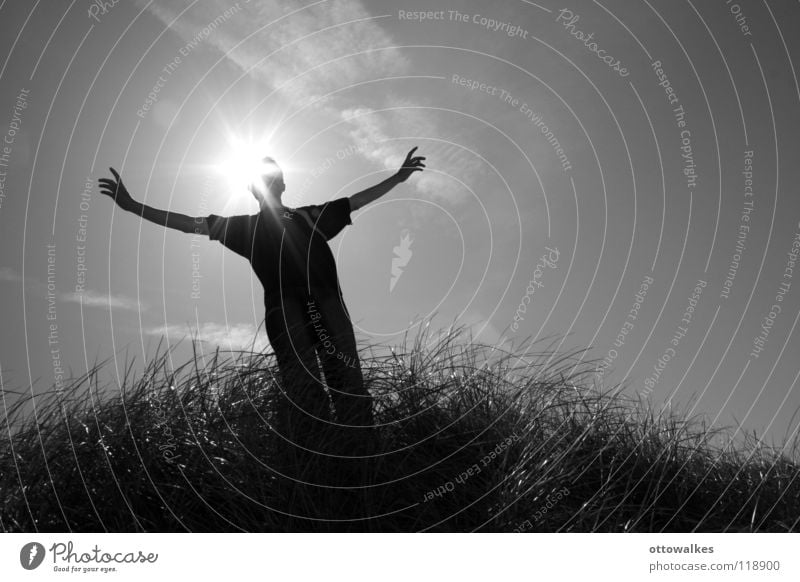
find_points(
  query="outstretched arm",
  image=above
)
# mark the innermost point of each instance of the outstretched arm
(116, 190)
(410, 165)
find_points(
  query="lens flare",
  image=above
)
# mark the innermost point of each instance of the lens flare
(245, 166)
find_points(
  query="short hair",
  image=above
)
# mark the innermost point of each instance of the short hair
(269, 161)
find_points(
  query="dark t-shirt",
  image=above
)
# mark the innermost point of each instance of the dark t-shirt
(287, 248)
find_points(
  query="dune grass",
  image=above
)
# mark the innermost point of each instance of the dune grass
(471, 439)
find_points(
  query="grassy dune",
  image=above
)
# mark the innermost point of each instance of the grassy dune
(512, 445)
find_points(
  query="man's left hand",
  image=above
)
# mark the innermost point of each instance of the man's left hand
(410, 165)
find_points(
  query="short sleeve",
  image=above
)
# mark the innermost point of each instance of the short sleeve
(235, 232)
(330, 218)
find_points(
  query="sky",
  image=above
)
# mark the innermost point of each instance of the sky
(611, 177)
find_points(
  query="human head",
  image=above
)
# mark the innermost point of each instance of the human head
(269, 187)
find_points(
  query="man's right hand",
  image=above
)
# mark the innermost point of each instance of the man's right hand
(116, 190)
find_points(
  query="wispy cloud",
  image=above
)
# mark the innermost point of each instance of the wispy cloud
(301, 36)
(10, 275)
(89, 298)
(484, 332)
(452, 164)
(235, 336)
(286, 38)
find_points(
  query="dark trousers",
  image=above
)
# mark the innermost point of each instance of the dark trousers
(305, 330)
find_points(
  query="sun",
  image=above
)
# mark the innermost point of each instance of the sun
(243, 165)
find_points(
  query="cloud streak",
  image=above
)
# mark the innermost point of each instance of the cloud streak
(298, 39)
(10, 275)
(89, 298)
(236, 336)
(286, 38)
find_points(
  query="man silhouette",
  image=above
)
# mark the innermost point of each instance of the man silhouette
(305, 317)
